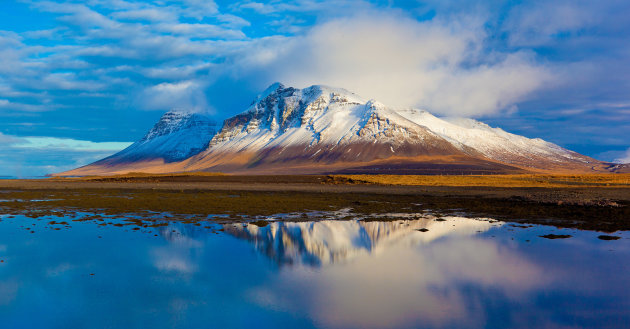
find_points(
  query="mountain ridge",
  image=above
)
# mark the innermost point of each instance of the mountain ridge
(322, 129)
(176, 136)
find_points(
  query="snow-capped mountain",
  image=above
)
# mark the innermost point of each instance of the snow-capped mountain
(472, 136)
(322, 129)
(333, 128)
(178, 135)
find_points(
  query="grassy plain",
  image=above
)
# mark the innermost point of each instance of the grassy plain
(536, 180)
(600, 202)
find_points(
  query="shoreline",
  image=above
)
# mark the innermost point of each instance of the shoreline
(601, 208)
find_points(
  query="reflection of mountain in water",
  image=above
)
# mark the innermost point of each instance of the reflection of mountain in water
(327, 242)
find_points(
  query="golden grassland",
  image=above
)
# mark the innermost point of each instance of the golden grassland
(514, 180)
(145, 175)
(523, 180)
(600, 202)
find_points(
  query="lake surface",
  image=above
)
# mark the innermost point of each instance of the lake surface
(474, 273)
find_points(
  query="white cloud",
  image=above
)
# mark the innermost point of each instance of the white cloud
(94, 38)
(68, 81)
(176, 72)
(258, 7)
(199, 8)
(68, 144)
(233, 20)
(188, 95)
(328, 7)
(58, 144)
(7, 139)
(8, 106)
(200, 31)
(147, 14)
(36, 156)
(537, 24)
(440, 65)
(624, 158)
(78, 14)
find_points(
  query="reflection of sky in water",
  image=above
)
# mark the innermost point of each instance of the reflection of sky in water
(339, 274)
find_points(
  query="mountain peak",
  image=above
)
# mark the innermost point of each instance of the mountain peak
(176, 120)
(278, 89)
(272, 89)
(179, 134)
(274, 86)
(322, 129)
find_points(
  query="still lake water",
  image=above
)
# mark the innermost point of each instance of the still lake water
(473, 273)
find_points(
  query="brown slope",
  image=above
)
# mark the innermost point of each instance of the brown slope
(155, 166)
(434, 158)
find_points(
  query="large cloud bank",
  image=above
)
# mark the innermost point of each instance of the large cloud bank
(440, 65)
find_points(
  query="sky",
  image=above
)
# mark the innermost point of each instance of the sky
(80, 80)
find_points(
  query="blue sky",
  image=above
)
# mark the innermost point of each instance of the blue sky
(81, 79)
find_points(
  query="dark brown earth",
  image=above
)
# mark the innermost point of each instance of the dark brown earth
(604, 209)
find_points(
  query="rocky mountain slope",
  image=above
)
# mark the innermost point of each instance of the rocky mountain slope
(178, 135)
(322, 129)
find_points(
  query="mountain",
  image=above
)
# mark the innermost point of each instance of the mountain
(178, 135)
(321, 129)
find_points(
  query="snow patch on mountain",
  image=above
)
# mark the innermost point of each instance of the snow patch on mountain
(178, 135)
(318, 115)
(494, 143)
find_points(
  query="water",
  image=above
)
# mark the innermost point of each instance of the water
(327, 274)
(23, 177)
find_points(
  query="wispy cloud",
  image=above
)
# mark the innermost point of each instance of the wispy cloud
(99, 36)
(534, 24)
(451, 63)
(61, 144)
(185, 94)
(22, 156)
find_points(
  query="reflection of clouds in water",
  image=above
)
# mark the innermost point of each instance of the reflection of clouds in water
(369, 274)
(60, 269)
(398, 276)
(404, 286)
(182, 251)
(8, 291)
(169, 259)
